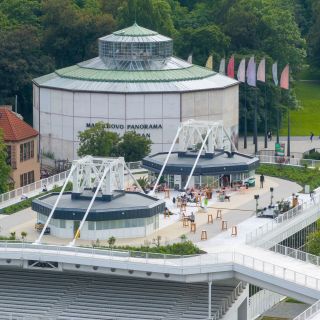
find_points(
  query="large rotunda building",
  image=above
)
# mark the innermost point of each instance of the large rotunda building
(135, 84)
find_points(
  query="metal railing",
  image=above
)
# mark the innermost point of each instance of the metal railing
(35, 188)
(228, 301)
(295, 253)
(284, 160)
(134, 165)
(177, 264)
(57, 179)
(262, 301)
(310, 312)
(312, 205)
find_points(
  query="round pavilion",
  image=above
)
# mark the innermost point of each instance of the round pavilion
(134, 84)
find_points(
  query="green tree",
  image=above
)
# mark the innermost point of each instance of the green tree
(98, 141)
(71, 32)
(21, 12)
(133, 147)
(21, 60)
(314, 34)
(202, 42)
(313, 243)
(4, 167)
(153, 14)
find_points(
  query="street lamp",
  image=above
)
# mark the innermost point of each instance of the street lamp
(271, 190)
(256, 197)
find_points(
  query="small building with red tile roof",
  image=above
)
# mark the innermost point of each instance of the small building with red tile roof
(22, 147)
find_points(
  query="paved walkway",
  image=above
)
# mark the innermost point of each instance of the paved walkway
(239, 209)
(286, 310)
(298, 144)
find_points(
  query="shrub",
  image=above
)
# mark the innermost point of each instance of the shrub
(179, 248)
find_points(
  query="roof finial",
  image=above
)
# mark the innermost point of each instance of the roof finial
(135, 14)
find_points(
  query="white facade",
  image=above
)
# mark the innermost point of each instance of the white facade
(59, 115)
(66, 229)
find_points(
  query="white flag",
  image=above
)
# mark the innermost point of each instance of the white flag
(222, 68)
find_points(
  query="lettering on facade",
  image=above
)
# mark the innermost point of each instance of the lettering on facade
(130, 127)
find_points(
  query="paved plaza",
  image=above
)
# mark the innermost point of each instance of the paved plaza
(240, 208)
(298, 144)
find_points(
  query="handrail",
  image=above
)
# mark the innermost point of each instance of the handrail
(227, 302)
(184, 265)
(257, 234)
(33, 187)
(310, 312)
(289, 161)
(294, 253)
(15, 195)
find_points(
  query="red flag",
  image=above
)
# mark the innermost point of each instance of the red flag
(231, 67)
(284, 80)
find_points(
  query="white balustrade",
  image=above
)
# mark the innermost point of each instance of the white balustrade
(310, 312)
(178, 264)
(35, 188)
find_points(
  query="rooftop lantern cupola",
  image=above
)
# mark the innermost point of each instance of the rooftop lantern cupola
(135, 48)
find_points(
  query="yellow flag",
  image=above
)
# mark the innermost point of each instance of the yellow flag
(209, 63)
(77, 234)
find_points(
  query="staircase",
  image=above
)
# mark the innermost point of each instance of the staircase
(182, 304)
(62, 304)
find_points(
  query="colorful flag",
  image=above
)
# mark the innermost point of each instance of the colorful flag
(241, 75)
(275, 73)
(209, 63)
(222, 68)
(251, 73)
(261, 73)
(230, 68)
(284, 79)
(190, 58)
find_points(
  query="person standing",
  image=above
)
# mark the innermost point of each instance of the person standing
(261, 181)
(311, 136)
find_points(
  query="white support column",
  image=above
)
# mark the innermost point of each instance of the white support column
(198, 156)
(55, 205)
(106, 170)
(133, 178)
(166, 161)
(209, 299)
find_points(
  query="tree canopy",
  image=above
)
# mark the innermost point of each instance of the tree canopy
(99, 141)
(4, 167)
(42, 35)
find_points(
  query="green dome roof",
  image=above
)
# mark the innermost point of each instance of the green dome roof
(135, 31)
(88, 74)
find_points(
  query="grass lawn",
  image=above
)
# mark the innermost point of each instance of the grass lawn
(300, 175)
(306, 119)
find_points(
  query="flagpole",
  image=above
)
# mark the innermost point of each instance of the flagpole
(278, 124)
(265, 117)
(288, 148)
(255, 124)
(245, 117)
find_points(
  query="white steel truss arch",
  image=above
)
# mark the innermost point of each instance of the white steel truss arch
(97, 174)
(203, 136)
